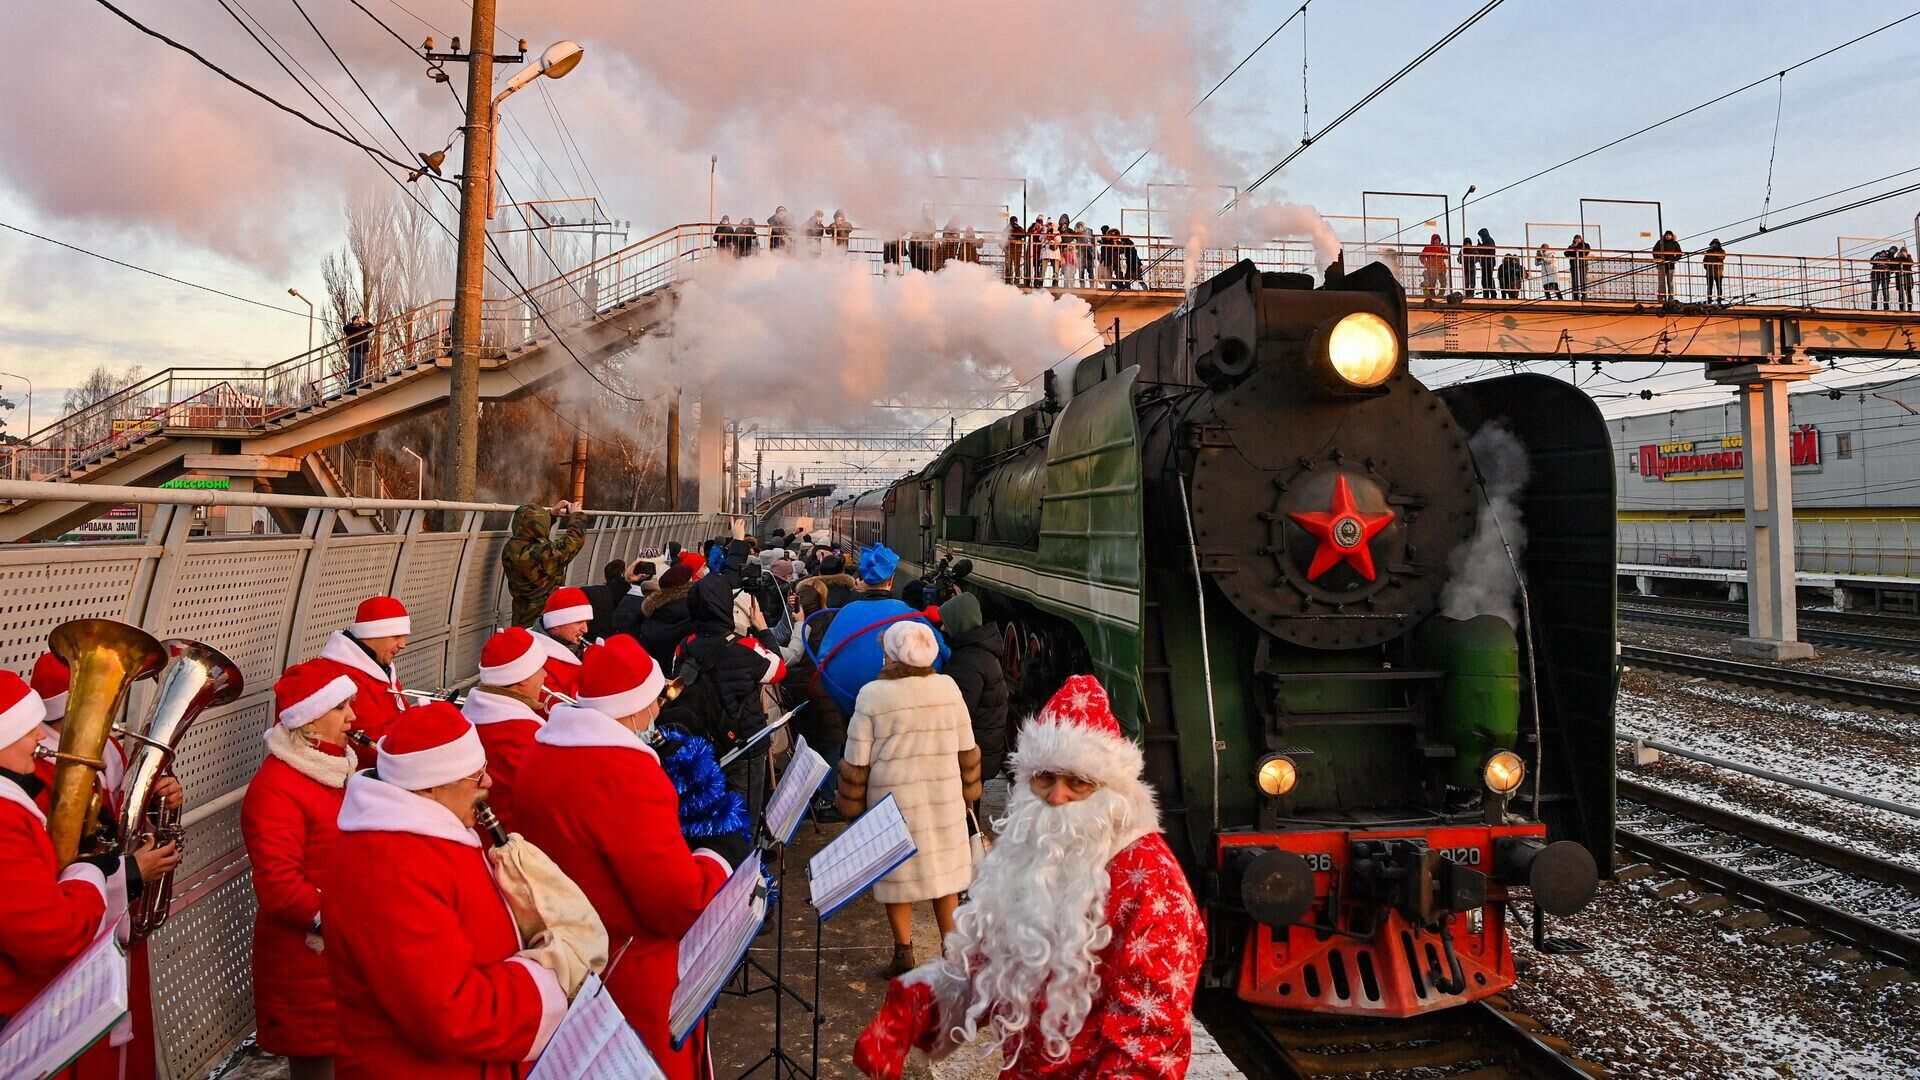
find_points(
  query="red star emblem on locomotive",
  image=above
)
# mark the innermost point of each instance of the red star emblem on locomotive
(1344, 531)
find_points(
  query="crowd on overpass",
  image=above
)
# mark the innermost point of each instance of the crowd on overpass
(1044, 253)
(437, 874)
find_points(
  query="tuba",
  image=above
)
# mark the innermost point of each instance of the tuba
(197, 677)
(105, 658)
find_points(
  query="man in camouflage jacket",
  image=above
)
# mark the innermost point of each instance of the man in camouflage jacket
(535, 562)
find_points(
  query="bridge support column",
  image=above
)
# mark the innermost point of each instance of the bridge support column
(1772, 617)
(710, 447)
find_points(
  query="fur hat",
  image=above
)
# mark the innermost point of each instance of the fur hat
(1076, 732)
(911, 643)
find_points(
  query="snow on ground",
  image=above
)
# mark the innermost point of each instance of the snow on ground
(1668, 994)
(1833, 659)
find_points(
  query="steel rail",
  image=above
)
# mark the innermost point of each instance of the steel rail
(1904, 646)
(1864, 934)
(1739, 609)
(1839, 858)
(1838, 688)
(1768, 774)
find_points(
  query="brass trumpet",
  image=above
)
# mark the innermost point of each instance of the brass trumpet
(104, 658)
(197, 677)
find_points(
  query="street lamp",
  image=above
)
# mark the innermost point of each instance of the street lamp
(295, 293)
(14, 457)
(1464, 235)
(560, 58)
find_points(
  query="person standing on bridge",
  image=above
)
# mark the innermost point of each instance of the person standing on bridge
(1715, 262)
(842, 230)
(1577, 254)
(1016, 244)
(1547, 265)
(358, 333)
(1903, 276)
(1666, 255)
(1487, 253)
(1433, 267)
(536, 561)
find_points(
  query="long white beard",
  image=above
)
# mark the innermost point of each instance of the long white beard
(1036, 920)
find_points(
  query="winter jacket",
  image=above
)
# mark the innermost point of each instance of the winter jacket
(1667, 251)
(422, 948)
(666, 623)
(595, 799)
(813, 592)
(723, 671)
(909, 737)
(289, 821)
(377, 701)
(536, 563)
(506, 725)
(604, 597)
(48, 916)
(976, 668)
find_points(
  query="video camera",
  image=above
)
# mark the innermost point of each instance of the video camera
(943, 582)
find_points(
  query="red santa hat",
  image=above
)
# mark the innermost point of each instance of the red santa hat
(695, 562)
(566, 606)
(509, 656)
(380, 616)
(21, 710)
(51, 680)
(308, 691)
(618, 678)
(1076, 733)
(430, 745)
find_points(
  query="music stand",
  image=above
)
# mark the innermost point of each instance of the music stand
(783, 1063)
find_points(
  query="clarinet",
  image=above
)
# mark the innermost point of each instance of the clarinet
(484, 817)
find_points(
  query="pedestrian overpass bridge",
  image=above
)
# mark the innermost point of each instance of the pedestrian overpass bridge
(264, 426)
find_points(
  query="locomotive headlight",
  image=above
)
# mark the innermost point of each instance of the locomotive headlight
(1503, 772)
(1362, 349)
(1277, 775)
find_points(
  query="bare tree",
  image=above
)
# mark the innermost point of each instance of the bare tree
(86, 425)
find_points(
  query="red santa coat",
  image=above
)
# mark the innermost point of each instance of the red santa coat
(377, 701)
(1141, 1026)
(420, 946)
(593, 796)
(289, 821)
(506, 726)
(563, 667)
(47, 916)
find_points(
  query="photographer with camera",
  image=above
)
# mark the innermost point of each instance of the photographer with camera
(535, 558)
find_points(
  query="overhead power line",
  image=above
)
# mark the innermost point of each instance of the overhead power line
(153, 273)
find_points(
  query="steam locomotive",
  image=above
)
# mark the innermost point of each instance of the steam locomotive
(1244, 518)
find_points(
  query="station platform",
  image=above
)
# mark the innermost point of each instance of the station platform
(1805, 579)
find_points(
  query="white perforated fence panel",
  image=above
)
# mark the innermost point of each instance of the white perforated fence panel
(267, 603)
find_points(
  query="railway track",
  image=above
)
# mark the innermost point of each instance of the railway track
(1786, 680)
(1779, 871)
(1866, 620)
(1887, 644)
(1482, 1041)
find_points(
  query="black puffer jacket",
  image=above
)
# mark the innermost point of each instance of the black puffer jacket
(659, 622)
(976, 666)
(723, 671)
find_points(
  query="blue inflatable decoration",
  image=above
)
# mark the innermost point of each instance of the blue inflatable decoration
(851, 654)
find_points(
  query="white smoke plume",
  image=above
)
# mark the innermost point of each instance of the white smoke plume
(812, 341)
(1197, 226)
(1481, 579)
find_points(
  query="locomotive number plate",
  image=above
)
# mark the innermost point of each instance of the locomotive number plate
(1462, 856)
(1319, 862)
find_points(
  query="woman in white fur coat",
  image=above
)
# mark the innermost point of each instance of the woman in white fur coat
(910, 737)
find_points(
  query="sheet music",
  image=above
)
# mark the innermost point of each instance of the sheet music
(78, 1008)
(870, 849)
(714, 945)
(762, 735)
(594, 1040)
(806, 771)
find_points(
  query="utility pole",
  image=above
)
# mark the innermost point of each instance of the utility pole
(580, 468)
(460, 472)
(673, 450)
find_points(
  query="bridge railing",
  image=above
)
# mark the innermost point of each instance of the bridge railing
(267, 602)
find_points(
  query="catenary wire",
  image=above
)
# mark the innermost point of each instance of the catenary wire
(153, 273)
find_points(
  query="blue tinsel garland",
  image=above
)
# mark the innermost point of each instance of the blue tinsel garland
(708, 807)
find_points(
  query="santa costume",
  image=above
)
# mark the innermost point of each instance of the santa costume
(592, 795)
(506, 722)
(1111, 994)
(379, 701)
(289, 821)
(51, 680)
(48, 915)
(564, 606)
(430, 973)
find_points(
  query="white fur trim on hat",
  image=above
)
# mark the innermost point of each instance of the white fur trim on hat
(628, 702)
(438, 765)
(21, 717)
(1049, 746)
(315, 705)
(911, 643)
(56, 707)
(398, 626)
(565, 615)
(520, 667)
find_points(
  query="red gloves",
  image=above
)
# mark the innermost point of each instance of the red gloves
(907, 1019)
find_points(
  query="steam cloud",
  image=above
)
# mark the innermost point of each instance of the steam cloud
(812, 341)
(1480, 578)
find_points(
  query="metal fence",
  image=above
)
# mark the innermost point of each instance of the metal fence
(266, 603)
(1887, 547)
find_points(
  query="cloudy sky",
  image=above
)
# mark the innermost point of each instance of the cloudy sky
(122, 145)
